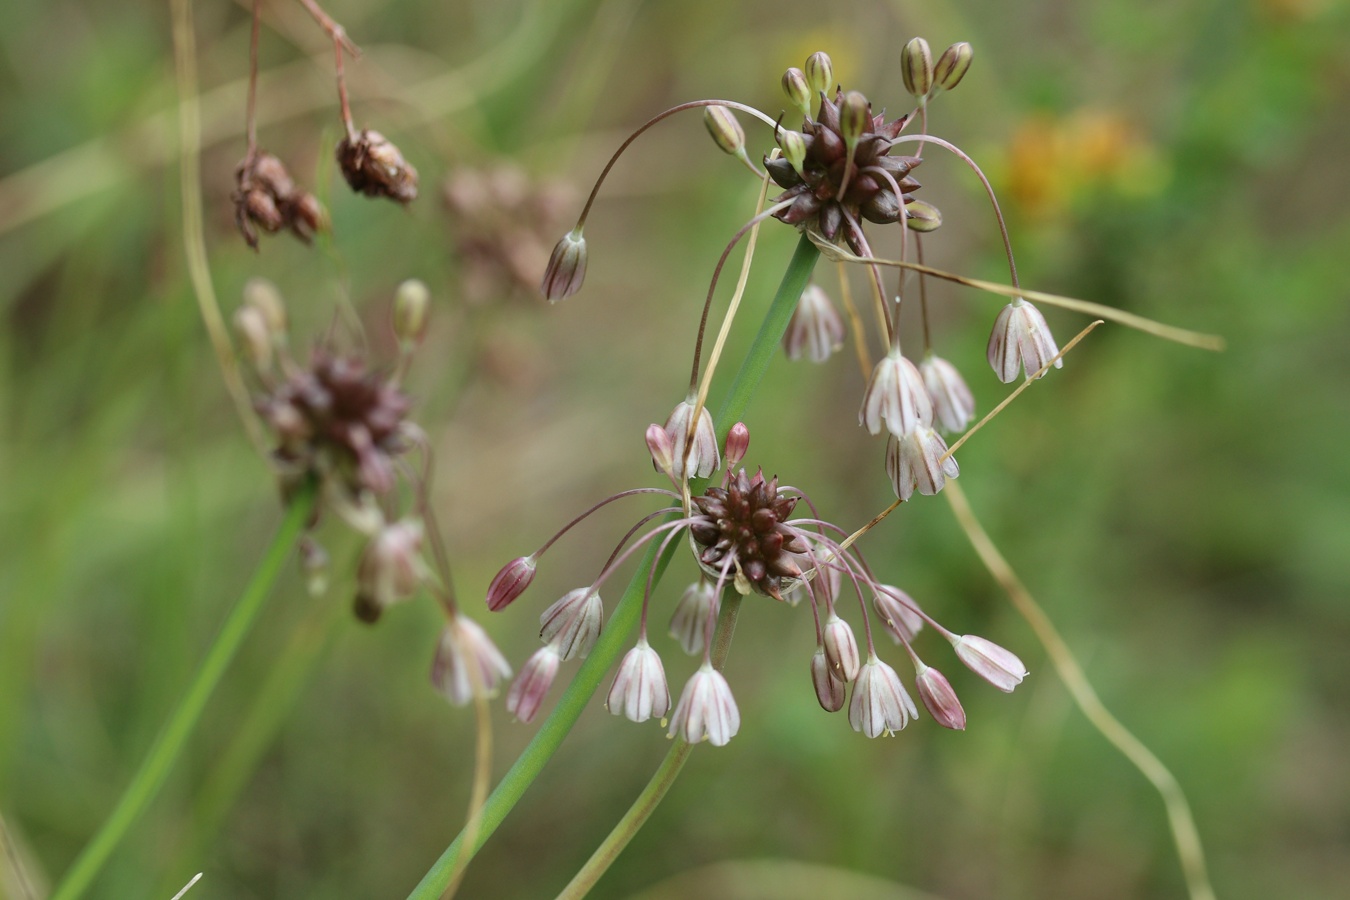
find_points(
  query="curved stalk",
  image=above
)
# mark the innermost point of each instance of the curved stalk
(169, 744)
(609, 647)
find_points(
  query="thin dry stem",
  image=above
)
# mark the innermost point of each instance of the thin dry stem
(854, 323)
(1184, 832)
(1111, 314)
(194, 241)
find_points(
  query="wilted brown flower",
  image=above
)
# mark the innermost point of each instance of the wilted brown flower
(266, 196)
(373, 166)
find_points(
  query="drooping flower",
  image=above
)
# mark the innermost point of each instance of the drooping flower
(896, 395)
(1021, 340)
(706, 710)
(953, 404)
(465, 648)
(880, 704)
(639, 690)
(915, 461)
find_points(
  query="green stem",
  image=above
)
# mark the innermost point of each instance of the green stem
(169, 744)
(660, 782)
(611, 642)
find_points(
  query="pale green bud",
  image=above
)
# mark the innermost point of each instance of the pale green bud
(412, 306)
(820, 73)
(725, 130)
(916, 65)
(922, 217)
(794, 149)
(798, 90)
(952, 65)
(854, 116)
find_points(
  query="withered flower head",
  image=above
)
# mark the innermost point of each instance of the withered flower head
(373, 166)
(337, 415)
(834, 191)
(740, 529)
(266, 196)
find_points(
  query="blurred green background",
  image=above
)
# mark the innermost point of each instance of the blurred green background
(1181, 515)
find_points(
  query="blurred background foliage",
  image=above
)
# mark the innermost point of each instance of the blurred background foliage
(1181, 515)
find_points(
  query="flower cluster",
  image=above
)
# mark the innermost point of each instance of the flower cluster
(340, 422)
(744, 538)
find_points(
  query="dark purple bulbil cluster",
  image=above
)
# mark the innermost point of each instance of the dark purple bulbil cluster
(741, 528)
(831, 189)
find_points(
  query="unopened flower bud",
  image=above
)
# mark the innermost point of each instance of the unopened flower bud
(738, 443)
(573, 622)
(855, 115)
(662, 448)
(952, 65)
(898, 611)
(251, 328)
(725, 130)
(794, 149)
(819, 73)
(263, 296)
(510, 582)
(830, 690)
(922, 216)
(696, 458)
(532, 684)
(939, 698)
(798, 90)
(314, 564)
(412, 305)
(993, 663)
(566, 267)
(689, 622)
(841, 649)
(916, 66)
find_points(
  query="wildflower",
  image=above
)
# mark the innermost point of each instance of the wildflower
(698, 603)
(391, 568)
(953, 404)
(464, 648)
(841, 649)
(531, 685)
(1021, 340)
(830, 690)
(573, 622)
(639, 690)
(816, 331)
(915, 460)
(898, 612)
(916, 67)
(896, 395)
(373, 166)
(952, 66)
(706, 709)
(939, 699)
(880, 704)
(996, 665)
(566, 267)
(697, 459)
(740, 529)
(725, 130)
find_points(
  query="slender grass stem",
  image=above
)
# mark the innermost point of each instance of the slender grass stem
(661, 779)
(610, 645)
(169, 744)
(1186, 836)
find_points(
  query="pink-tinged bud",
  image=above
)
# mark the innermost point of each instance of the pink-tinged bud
(706, 709)
(412, 309)
(798, 90)
(898, 612)
(639, 690)
(573, 622)
(1021, 340)
(816, 330)
(391, 568)
(465, 656)
(689, 622)
(916, 66)
(880, 703)
(820, 72)
(994, 664)
(794, 148)
(841, 649)
(830, 690)
(510, 582)
(532, 684)
(952, 65)
(566, 267)
(915, 461)
(896, 395)
(953, 404)
(662, 448)
(738, 444)
(939, 698)
(725, 130)
(697, 459)
(855, 115)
